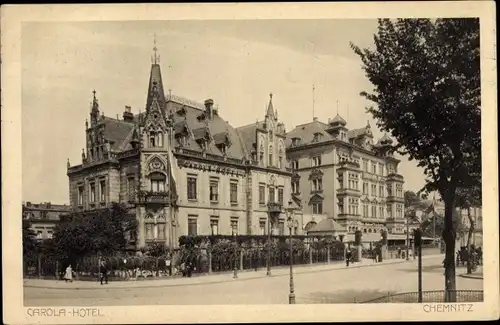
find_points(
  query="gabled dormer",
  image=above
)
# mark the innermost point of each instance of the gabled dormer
(222, 141)
(202, 136)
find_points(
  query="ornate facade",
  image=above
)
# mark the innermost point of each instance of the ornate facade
(344, 175)
(182, 169)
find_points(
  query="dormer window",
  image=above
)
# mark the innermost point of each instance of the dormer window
(295, 141)
(317, 137)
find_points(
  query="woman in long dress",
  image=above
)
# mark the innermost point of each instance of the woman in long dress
(68, 276)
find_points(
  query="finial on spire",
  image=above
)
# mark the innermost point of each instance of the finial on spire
(337, 107)
(156, 57)
(94, 92)
(271, 96)
(68, 164)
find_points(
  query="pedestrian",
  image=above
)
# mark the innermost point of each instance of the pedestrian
(374, 255)
(68, 276)
(104, 272)
(348, 257)
(183, 269)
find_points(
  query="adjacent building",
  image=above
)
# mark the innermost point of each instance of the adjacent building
(345, 175)
(182, 169)
(43, 217)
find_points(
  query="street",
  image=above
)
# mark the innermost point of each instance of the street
(322, 286)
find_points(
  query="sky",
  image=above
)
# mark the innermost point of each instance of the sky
(237, 63)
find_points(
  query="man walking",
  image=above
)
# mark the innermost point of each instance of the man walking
(104, 272)
(348, 256)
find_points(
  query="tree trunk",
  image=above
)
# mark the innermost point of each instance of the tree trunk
(469, 239)
(449, 236)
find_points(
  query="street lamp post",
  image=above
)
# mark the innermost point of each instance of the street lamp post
(268, 273)
(407, 239)
(292, 223)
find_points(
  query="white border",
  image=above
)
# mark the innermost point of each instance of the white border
(11, 20)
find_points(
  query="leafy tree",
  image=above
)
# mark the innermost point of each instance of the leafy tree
(426, 77)
(102, 231)
(411, 198)
(427, 225)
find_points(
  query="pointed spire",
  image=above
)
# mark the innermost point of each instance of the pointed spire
(94, 113)
(155, 86)
(270, 110)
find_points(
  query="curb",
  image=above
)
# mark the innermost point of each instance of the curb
(471, 276)
(216, 281)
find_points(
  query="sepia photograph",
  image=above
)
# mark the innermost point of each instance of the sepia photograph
(254, 162)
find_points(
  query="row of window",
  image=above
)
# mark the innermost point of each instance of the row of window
(376, 168)
(271, 194)
(365, 230)
(95, 191)
(279, 229)
(373, 214)
(315, 162)
(214, 225)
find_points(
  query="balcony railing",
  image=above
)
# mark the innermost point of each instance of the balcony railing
(274, 207)
(148, 197)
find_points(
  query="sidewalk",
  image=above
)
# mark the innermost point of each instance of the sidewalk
(207, 279)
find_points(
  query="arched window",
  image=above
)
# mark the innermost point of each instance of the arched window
(158, 182)
(310, 225)
(152, 139)
(280, 162)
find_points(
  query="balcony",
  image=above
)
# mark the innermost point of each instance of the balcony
(344, 191)
(154, 198)
(274, 207)
(392, 198)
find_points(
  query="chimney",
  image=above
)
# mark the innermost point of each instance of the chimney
(209, 104)
(127, 114)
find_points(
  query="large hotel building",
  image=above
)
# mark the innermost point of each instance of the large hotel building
(183, 170)
(345, 180)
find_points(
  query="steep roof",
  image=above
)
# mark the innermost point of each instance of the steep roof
(155, 79)
(248, 136)
(118, 132)
(306, 133)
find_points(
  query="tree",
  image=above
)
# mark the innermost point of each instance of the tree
(30, 244)
(411, 198)
(426, 77)
(466, 199)
(103, 231)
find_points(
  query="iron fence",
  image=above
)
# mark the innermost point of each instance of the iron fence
(437, 296)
